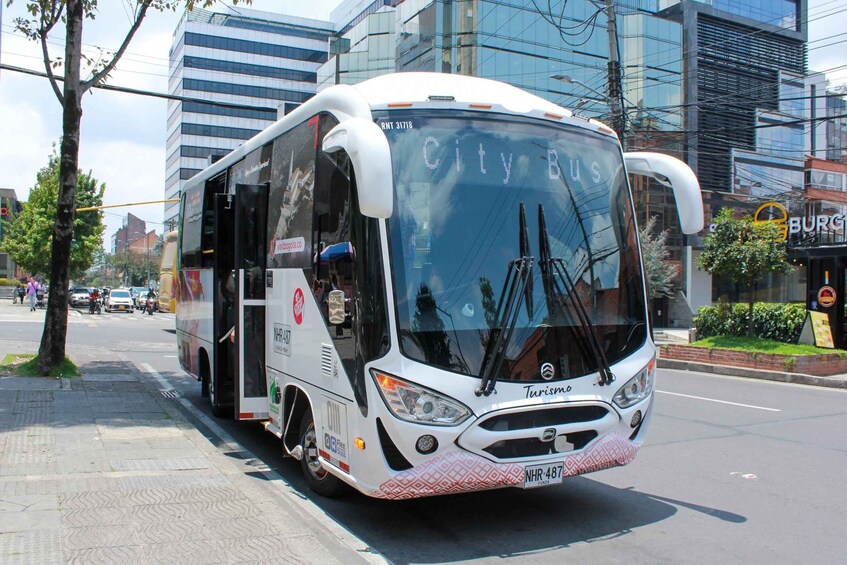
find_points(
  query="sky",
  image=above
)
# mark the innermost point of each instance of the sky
(123, 135)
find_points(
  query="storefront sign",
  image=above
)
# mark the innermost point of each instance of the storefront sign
(826, 296)
(791, 225)
(776, 213)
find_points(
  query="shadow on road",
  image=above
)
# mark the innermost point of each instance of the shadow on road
(504, 523)
(500, 523)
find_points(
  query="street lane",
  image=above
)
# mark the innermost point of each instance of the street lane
(716, 483)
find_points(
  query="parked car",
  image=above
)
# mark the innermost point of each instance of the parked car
(78, 297)
(120, 300)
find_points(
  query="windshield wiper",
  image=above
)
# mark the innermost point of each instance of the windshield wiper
(518, 281)
(553, 268)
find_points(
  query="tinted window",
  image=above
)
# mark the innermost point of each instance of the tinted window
(290, 202)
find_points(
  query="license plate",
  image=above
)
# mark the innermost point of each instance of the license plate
(543, 475)
(120, 307)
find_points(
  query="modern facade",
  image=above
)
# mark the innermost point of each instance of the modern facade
(234, 70)
(365, 45)
(525, 43)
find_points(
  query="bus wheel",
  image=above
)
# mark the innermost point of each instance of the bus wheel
(219, 409)
(318, 478)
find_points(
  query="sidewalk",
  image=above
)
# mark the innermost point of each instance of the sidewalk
(106, 468)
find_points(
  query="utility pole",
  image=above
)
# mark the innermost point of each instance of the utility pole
(615, 89)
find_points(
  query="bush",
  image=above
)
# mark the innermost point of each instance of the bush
(8, 282)
(780, 322)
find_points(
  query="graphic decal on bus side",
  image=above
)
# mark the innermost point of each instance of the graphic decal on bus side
(276, 396)
(333, 442)
(299, 304)
(456, 472)
(282, 339)
(290, 245)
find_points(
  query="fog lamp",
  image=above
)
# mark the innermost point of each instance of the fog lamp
(636, 419)
(426, 444)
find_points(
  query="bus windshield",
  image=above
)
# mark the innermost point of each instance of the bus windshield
(459, 184)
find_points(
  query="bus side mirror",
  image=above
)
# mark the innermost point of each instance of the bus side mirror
(367, 147)
(672, 172)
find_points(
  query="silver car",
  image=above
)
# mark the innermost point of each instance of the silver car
(78, 297)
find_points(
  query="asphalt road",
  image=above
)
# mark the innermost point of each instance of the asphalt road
(734, 471)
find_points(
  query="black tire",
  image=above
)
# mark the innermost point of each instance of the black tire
(219, 410)
(319, 479)
(204, 385)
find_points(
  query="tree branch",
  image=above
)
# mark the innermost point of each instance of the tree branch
(142, 11)
(49, 67)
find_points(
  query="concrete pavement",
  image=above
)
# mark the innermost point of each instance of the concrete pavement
(110, 468)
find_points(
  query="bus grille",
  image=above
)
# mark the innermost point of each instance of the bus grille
(535, 432)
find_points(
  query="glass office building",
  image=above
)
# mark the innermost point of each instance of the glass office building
(365, 47)
(254, 62)
(523, 43)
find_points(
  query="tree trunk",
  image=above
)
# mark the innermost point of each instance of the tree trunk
(52, 349)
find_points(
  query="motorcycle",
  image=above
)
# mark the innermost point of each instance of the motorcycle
(149, 305)
(94, 306)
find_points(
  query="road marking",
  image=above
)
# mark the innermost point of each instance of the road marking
(720, 401)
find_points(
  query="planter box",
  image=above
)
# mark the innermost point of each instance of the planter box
(820, 365)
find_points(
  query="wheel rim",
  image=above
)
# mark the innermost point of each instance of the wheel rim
(310, 453)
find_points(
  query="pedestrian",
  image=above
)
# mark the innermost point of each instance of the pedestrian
(31, 291)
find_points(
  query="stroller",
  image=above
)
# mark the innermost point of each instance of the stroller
(39, 298)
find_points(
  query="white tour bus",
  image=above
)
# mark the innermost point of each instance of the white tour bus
(426, 284)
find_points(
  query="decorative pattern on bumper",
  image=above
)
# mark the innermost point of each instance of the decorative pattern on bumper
(459, 471)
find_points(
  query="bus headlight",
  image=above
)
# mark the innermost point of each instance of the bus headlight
(415, 403)
(637, 388)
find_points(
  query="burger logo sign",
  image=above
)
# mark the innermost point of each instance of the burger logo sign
(299, 305)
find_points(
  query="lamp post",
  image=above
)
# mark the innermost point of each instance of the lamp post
(614, 104)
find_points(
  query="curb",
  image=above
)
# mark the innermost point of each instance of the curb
(836, 381)
(341, 535)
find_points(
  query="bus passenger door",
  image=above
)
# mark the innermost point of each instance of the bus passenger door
(251, 202)
(220, 258)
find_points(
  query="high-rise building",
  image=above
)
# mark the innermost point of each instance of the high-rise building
(235, 69)
(741, 59)
(526, 43)
(364, 46)
(133, 228)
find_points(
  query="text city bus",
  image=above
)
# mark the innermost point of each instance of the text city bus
(426, 284)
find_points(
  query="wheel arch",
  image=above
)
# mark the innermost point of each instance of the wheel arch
(295, 402)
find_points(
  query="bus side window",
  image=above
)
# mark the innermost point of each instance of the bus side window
(191, 214)
(215, 185)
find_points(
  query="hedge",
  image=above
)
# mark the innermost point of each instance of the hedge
(780, 322)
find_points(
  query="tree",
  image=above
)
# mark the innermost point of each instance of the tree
(29, 235)
(742, 250)
(659, 273)
(43, 17)
(135, 268)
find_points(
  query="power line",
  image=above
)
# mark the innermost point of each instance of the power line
(127, 90)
